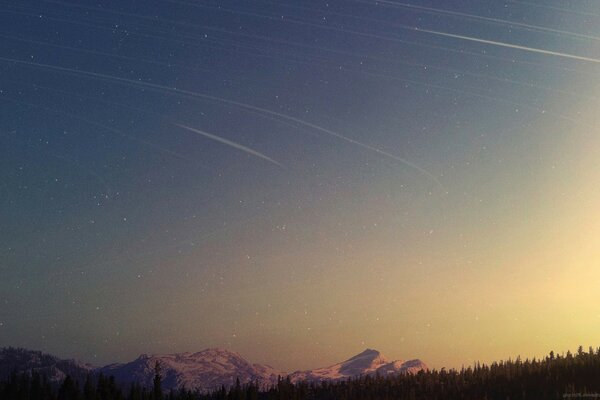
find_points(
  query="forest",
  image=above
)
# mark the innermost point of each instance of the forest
(556, 376)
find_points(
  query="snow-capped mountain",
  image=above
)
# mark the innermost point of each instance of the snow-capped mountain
(205, 370)
(54, 368)
(369, 362)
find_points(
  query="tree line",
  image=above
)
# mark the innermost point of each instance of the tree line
(553, 377)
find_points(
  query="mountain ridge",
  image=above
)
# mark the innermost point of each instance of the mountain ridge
(204, 370)
(368, 362)
(21, 360)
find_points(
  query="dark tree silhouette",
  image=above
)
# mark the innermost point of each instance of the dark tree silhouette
(556, 376)
(157, 382)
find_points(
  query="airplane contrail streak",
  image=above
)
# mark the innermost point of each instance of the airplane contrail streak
(388, 38)
(510, 45)
(229, 143)
(369, 73)
(482, 18)
(101, 53)
(397, 40)
(566, 10)
(504, 80)
(272, 114)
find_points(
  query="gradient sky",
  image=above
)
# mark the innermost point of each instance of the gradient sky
(297, 181)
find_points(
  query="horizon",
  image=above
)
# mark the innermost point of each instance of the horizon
(297, 182)
(291, 371)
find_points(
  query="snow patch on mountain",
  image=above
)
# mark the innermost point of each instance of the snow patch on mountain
(205, 370)
(369, 362)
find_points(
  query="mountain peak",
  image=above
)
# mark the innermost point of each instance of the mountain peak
(365, 362)
(205, 370)
(218, 351)
(368, 362)
(368, 354)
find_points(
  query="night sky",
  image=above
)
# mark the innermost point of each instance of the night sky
(298, 181)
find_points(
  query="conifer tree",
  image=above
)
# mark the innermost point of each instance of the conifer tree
(157, 382)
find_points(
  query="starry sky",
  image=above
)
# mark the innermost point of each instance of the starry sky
(297, 181)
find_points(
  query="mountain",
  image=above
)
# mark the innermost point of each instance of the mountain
(205, 370)
(54, 368)
(369, 362)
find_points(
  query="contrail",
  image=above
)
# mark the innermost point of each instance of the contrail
(387, 38)
(567, 10)
(101, 53)
(394, 4)
(468, 91)
(398, 40)
(165, 64)
(482, 18)
(510, 45)
(401, 26)
(230, 143)
(504, 80)
(324, 64)
(273, 114)
(465, 90)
